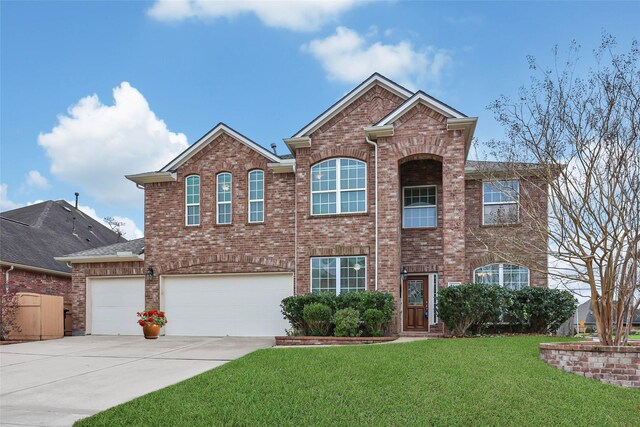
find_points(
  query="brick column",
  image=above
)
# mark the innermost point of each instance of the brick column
(453, 213)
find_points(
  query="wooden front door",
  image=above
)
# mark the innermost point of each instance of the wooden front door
(415, 291)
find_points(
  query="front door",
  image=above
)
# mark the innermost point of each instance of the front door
(415, 293)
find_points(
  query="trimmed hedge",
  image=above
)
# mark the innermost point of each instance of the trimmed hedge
(476, 307)
(293, 309)
(347, 321)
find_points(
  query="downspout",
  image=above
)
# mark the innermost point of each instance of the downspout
(375, 145)
(6, 279)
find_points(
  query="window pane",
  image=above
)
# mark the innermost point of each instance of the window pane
(419, 217)
(193, 215)
(488, 274)
(501, 191)
(323, 176)
(224, 187)
(323, 275)
(352, 174)
(420, 196)
(324, 203)
(256, 185)
(515, 277)
(224, 213)
(256, 212)
(352, 201)
(352, 274)
(501, 214)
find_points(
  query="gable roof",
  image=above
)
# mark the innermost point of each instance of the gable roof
(421, 98)
(345, 101)
(217, 130)
(33, 235)
(131, 250)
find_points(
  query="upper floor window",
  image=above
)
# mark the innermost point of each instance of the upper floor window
(419, 208)
(510, 276)
(224, 198)
(338, 274)
(192, 211)
(256, 196)
(500, 202)
(338, 186)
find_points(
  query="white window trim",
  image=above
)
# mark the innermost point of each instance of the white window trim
(187, 204)
(218, 203)
(501, 272)
(416, 207)
(338, 190)
(512, 202)
(256, 200)
(338, 272)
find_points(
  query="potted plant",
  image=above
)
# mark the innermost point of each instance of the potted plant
(151, 321)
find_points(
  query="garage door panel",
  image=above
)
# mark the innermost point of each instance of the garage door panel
(240, 305)
(114, 303)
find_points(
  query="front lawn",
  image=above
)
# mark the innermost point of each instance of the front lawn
(481, 381)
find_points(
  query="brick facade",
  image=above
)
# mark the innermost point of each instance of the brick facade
(612, 365)
(421, 151)
(36, 282)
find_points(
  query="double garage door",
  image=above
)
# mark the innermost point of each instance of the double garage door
(196, 305)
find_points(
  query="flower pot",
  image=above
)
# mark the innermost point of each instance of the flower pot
(151, 331)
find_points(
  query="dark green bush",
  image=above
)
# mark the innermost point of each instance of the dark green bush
(317, 317)
(473, 305)
(293, 307)
(539, 310)
(347, 322)
(375, 322)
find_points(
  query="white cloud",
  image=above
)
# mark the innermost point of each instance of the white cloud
(346, 56)
(129, 230)
(5, 203)
(95, 145)
(36, 180)
(299, 15)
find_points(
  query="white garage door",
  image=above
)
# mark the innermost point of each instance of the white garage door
(235, 304)
(114, 304)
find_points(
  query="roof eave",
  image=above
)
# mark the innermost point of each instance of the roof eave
(466, 124)
(299, 142)
(35, 269)
(152, 177)
(375, 132)
(284, 166)
(101, 258)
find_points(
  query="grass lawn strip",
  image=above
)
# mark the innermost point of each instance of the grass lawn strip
(471, 382)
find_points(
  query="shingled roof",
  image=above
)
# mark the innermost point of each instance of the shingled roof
(33, 235)
(135, 247)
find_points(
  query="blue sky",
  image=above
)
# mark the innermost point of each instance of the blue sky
(266, 69)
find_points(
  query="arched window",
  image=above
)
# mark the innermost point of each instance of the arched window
(224, 198)
(256, 196)
(192, 200)
(509, 276)
(338, 186)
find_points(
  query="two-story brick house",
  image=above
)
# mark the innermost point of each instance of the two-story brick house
(377, 194)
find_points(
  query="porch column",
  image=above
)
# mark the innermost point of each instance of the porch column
(453, 213)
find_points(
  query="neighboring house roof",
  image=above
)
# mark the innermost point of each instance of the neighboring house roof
(33, 235)
(591, 320)
(483, 168)
(132, 250)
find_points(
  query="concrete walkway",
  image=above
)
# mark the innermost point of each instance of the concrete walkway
(54, 383)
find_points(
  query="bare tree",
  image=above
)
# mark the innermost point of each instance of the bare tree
(577, 138)
(115, 225)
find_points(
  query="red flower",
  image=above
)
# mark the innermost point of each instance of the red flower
(161, 314)
(142, 323)
(138, 313)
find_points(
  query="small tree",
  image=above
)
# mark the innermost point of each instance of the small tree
(115, 225)
(582, 134)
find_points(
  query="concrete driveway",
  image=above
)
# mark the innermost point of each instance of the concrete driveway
(54, 383)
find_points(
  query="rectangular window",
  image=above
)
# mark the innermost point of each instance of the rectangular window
(500, 202)
(338, 274)
(256, 196)
(419, 207)
(338, 186)
(192, 200)
(224, 198)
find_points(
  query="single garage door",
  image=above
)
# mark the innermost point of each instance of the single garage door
(234, 304)
(114, 304)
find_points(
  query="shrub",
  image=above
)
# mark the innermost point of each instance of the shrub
(292, 309)
(539, 310)
(589, 330)
(375, 322)
(471, 305)
(317, 317)
(347, 322)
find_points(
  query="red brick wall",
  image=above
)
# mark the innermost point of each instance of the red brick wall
(173, 247)
(38, 283)
(79, 285)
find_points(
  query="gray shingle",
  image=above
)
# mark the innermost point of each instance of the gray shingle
(136, 247)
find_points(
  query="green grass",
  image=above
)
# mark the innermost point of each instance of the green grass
(470, 382)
